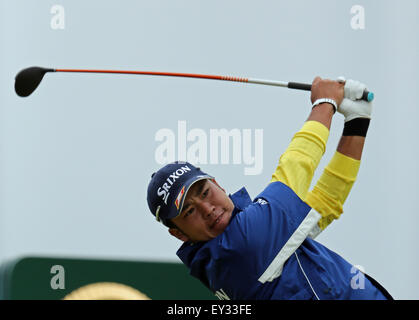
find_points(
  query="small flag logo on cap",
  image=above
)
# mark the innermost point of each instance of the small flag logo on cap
(179, 197)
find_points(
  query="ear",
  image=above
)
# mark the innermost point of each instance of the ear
(216, 183)
(178, 234)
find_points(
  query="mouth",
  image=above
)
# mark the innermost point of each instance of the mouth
(217, 221)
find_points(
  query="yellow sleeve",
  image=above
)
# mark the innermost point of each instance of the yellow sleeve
(333, 187)
(299, 161)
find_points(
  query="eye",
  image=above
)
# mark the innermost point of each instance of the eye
(190, 211)
(205, 193)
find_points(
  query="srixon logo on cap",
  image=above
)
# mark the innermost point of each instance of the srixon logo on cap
(163, 191)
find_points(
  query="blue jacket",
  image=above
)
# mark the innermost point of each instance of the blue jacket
(266, 253)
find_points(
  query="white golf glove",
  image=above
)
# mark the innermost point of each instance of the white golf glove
(351, 107)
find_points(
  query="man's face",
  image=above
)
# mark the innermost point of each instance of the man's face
(205, 214)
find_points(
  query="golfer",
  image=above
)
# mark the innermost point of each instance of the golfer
(265, 248)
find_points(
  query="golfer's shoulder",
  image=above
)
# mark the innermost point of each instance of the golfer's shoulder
(269, 217)
(276, 192)
(275, 196)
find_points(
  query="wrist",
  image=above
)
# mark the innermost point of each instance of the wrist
(329, 101)
(356, 127)
(322, 113)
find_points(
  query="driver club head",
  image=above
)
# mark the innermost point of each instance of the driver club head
(27, 80)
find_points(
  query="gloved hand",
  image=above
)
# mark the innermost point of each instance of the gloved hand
(351, 107)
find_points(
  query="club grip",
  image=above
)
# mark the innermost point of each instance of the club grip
(367, 95)
(299, 86)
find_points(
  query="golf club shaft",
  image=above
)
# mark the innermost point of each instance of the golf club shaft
(367, 96)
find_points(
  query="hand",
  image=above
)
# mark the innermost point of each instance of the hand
(351, 107)
(325, 88)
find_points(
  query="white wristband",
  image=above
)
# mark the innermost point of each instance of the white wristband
(326, 100)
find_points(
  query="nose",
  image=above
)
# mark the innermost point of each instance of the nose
(206, 209)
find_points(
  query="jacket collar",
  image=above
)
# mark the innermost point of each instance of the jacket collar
(241, 200)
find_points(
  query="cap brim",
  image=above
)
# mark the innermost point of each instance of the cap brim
(189, 183)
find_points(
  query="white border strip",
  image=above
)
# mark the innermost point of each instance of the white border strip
(315, 232)
(274, 270)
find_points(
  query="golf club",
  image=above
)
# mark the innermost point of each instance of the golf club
(27, 80)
